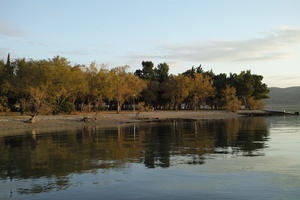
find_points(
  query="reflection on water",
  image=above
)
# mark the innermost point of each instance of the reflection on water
(39, 163)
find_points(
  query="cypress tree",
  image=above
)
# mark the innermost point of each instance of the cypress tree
(8, 60)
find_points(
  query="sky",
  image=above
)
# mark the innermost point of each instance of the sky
(223, 35)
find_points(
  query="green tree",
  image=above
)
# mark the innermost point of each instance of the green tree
(193, 71)
(147, 72)
(248, 85)
(162, 72)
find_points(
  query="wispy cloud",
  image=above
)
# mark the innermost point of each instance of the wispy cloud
(73, 52)
(7, 30)
(282, 80)
(276, 44)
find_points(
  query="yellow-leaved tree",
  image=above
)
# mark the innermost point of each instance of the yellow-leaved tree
(176, 89)
(231, 101)
(202, 88)
(125, 85)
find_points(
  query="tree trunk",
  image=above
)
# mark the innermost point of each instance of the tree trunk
(195, 103)
(118, 107)
(81, 107)
(89, 107)
(177, 106)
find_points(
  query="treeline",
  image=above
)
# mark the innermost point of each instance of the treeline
(196, 89)
(55, 86)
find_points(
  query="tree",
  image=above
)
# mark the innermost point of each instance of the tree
(150, 95)
(202, 88)
(3, 97)
(125, 85)
(162, 72)
(38, 96)
(219, 83)
(32, 85)
(231, 102)
(55, 85)
(193, 71)
(147, 72)
(254, 104)
(9, 68)
(248, 85)
(176, 89)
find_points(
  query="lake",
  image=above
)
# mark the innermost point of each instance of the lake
(246, 158)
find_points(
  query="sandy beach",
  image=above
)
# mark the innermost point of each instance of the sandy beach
(10, 125)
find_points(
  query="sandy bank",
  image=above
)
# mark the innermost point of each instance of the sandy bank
(14, 124)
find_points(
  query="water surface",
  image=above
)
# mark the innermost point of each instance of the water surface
(247, 158)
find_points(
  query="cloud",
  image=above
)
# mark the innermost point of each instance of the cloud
(8, 30)
(272, 45)
(73, 52)
(282, 80)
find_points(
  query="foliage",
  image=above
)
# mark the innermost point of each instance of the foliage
(176, 90)
(254, 104)
(202, 88)
(56, 86)
(231, 102)
(125, 85)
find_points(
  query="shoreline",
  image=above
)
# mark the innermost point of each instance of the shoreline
(12, 125)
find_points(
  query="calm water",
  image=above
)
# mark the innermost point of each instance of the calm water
(248, 158)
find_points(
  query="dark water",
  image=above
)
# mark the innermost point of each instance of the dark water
(248, 158)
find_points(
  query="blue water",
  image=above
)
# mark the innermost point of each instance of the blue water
(247, 158)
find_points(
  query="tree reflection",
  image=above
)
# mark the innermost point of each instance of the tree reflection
(57, 155)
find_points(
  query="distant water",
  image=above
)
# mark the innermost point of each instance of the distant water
(287, 108)
(247, 158)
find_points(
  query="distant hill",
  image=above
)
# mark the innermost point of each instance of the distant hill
(284, 99)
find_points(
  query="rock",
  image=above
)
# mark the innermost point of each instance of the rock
(32, 119)
(88, 119)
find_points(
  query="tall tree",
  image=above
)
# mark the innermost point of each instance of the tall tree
(8, 60)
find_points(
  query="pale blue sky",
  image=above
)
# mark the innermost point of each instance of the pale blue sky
(226, 36)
